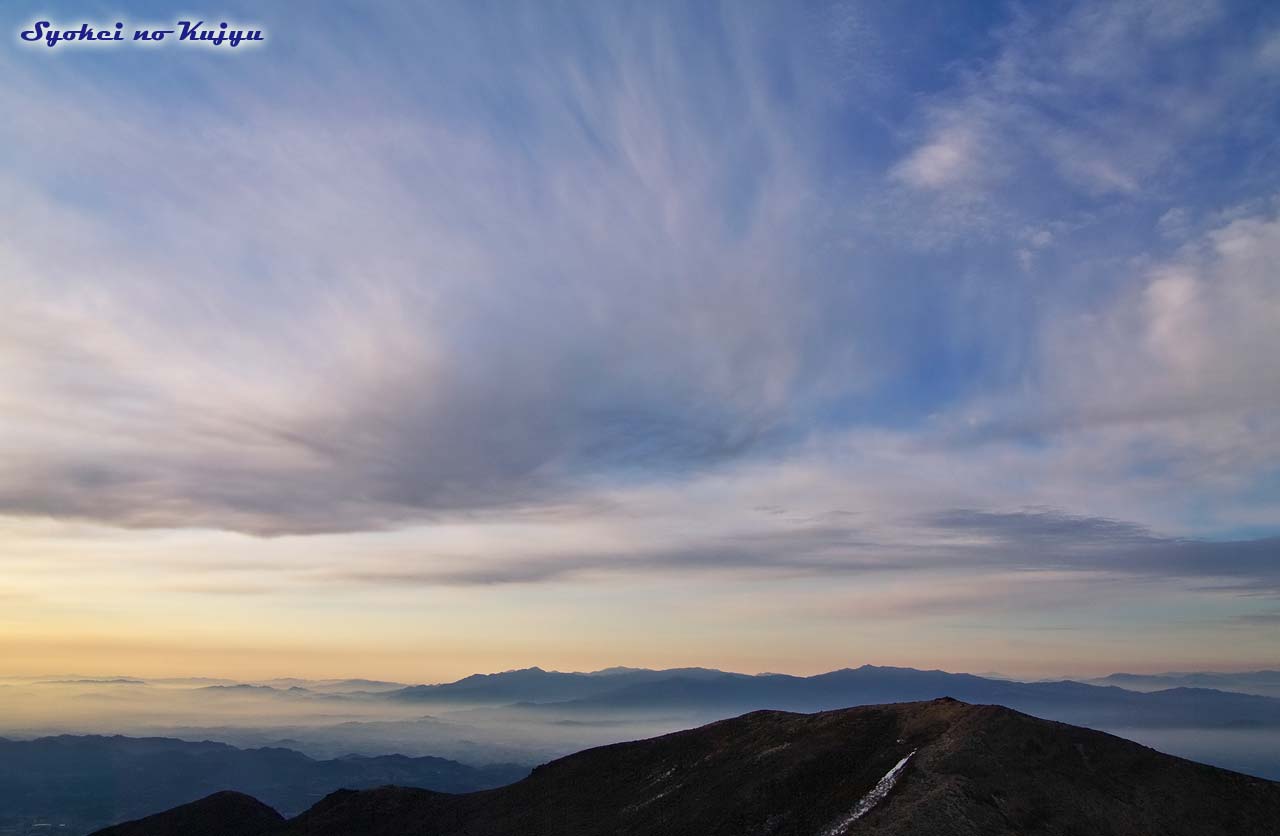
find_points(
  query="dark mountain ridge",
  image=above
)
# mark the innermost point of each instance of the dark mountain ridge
(938, 768)
(223, 812)
(89, 781)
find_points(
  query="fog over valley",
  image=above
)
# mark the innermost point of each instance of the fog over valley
(530, 716)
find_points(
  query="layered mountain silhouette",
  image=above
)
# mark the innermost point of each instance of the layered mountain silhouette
(711, 692)
(1262, 683)
(538, 685)
(937, 768)
(91, 781)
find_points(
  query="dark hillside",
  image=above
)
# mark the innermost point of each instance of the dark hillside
(961, 769)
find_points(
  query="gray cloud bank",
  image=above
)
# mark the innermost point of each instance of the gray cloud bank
(1029, 540)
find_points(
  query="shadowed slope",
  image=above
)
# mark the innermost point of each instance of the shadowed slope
(976, 770)
(220, 814)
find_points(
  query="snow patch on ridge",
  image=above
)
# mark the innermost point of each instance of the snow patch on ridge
(871, 799)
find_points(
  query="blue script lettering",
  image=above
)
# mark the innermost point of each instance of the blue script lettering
(51, 34)
(43, 30)
(189, 31)
(151, 35)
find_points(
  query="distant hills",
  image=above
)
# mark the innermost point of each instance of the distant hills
(1231, 729)
(537, 685)
(938, 768)
(86, 782)
(710, 692)
(1262, 683)
(532, 715)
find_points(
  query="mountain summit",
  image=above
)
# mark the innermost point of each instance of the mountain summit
(938, 768)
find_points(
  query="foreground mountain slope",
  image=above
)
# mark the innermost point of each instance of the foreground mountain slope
(962, 769)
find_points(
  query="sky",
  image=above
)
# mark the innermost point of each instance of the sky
(426, 339)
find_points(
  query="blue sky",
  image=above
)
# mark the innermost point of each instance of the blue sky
(811, 322)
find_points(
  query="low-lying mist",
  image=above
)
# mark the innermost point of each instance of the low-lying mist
(323, 722)
(532, 716)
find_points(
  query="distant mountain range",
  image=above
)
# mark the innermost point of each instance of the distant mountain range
(1230, 729)
(85, 782)
(1262, 683)
(939, 768)
(537, 685)
(532, 715)
(710, 692)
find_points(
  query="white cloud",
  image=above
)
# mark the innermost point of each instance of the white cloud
(948, 159)
(1195, 336)
(1096, 97)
